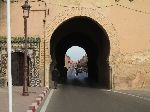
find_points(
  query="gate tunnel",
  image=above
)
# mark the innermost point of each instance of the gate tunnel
(84, 32)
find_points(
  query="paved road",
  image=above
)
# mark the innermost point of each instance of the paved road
(71, 98)
(82, 99)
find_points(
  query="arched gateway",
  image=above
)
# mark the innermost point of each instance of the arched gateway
(90, 30)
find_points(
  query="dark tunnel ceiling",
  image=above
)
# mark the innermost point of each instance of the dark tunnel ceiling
(80, 31)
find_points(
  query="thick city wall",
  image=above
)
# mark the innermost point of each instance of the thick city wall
(126, 23)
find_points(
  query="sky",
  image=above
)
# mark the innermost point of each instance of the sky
(75, 53)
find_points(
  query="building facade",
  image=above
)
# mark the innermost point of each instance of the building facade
(124, 24)
(68, 62)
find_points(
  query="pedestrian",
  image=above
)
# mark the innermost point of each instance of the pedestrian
(76, 69)
(65, 74)
(55, 76)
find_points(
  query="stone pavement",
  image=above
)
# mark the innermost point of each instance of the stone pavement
(20, 103)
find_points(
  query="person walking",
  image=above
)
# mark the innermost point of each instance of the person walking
(64, 79)
(55, 76)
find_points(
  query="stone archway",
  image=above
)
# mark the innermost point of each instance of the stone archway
(95, 15)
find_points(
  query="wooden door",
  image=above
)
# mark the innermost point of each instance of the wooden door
(17, 68)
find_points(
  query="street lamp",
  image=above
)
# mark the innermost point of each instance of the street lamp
(26, 8)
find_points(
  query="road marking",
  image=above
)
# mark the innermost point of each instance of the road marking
(44, 107)
(109, 90)
(132, 95)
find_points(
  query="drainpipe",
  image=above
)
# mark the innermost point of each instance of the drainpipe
(44, 50)
(111, 78)
(44, 21)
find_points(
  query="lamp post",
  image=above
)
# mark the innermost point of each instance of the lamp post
(26, 8)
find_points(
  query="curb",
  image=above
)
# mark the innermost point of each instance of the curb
(33, 107)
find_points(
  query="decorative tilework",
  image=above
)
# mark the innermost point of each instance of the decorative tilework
(18, 46)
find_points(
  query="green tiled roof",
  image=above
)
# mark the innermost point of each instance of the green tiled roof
(36, 39)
